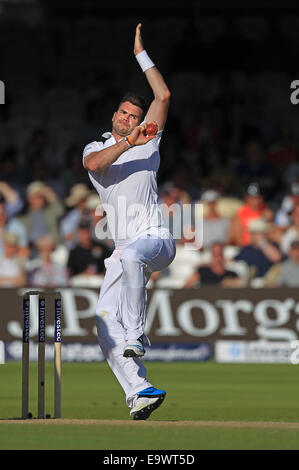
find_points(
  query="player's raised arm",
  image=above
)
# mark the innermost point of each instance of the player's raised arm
(159, 107)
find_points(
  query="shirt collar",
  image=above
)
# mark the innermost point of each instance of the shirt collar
(107, 135)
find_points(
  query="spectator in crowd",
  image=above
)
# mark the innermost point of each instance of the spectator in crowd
(69, 224)
(12, 269)
(11, 198)
(43, 271)
(215, 272)
(215, 227)
(255, 167)
(289, 269)
(261, 253)
(254, 207)
(291, 173)
(43, 214)
(283, 217)
(88, 256)
(13, 225)
(292, 233)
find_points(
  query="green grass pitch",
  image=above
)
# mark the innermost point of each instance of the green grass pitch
(208, 406)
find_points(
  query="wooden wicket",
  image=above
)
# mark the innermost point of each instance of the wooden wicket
(57, 357)
(25, 356)
(41, 354)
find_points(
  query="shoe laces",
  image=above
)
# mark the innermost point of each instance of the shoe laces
(145, 340)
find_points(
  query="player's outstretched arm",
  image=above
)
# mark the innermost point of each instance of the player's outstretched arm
(158, 109)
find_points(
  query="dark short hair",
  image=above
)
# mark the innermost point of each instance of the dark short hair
(136, 100)
(84, 224)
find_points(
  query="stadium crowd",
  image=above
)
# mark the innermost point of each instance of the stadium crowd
(230, 150)
(49, 242)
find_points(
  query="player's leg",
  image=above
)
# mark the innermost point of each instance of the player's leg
(138, 261)
(130, 373)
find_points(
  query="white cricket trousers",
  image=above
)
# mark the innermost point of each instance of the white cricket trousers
(121, 308)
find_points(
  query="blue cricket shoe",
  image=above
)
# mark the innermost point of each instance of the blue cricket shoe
(146, 401)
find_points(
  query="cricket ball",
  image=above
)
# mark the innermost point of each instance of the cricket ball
(151, 129)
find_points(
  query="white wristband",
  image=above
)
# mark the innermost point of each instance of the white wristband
(144, 61)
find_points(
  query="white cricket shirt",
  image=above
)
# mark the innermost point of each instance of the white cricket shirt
(128, 190)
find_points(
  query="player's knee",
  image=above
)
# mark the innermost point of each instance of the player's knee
(130, 257)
